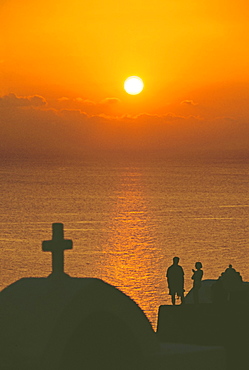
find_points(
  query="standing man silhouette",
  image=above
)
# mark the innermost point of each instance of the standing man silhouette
(175, 279)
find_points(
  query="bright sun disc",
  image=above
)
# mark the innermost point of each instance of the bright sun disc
(133, 85)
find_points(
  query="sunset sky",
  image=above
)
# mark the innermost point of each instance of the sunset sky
(63, 65)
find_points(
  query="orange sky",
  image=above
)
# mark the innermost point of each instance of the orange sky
(63, 64)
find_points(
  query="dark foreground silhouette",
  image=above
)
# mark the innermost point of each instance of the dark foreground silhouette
(61, 323)
(221, 317)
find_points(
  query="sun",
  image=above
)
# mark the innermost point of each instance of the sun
(133, 85)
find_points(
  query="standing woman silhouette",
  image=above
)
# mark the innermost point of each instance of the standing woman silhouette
(197, 277)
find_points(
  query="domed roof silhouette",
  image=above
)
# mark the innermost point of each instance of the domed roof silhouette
(62, 322)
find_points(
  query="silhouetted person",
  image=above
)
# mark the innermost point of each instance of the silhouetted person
(175, 278)
(197, 277)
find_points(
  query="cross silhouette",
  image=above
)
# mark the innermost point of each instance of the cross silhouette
(57, 246)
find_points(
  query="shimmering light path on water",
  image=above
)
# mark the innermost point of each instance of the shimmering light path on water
(127, 220)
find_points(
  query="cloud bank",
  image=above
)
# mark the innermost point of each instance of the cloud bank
(30, 128)
(13, 101)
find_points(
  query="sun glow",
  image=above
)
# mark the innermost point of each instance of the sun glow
(133, 85)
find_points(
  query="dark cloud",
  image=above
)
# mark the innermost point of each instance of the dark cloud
(84, 101)
(110, 101)
(13, 101)
(189, 102)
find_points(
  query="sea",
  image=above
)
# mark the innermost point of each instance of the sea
(127, 218)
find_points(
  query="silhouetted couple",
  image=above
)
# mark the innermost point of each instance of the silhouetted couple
(175, 278)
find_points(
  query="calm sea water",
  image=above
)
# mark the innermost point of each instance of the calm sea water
(127, 220)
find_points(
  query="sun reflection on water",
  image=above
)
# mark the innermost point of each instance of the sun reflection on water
(130, 254)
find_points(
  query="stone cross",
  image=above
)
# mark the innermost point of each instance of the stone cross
(57, 246)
